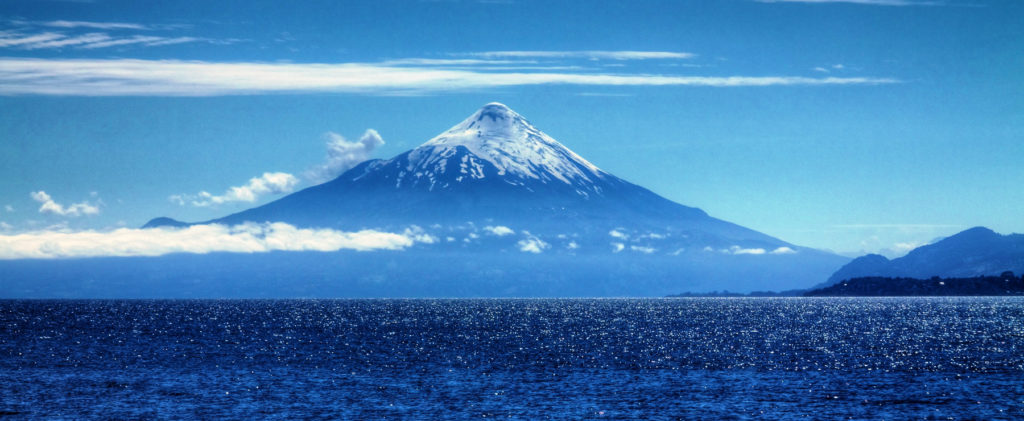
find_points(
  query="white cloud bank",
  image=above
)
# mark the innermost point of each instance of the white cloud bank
(49, 206)
(24, 76)
(343, 155)
(268, 183)
(246, 238)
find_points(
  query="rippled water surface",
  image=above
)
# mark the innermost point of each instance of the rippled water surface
(521, 359)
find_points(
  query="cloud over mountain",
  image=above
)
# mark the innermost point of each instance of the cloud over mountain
(343, 154)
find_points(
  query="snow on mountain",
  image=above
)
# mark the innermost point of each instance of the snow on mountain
(517, 151)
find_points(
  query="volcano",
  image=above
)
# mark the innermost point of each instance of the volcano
(496, 189)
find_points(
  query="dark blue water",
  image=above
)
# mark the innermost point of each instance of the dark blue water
(522, 359)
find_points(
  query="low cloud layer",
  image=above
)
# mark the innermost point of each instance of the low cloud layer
(246, 238)
(268, 183)
(49, 206)
(737, 250)
(343, 154)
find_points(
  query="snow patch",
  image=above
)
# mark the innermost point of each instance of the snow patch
(512, 145)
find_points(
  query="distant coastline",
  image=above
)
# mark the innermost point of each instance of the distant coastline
(713, 294)
(1006, 284)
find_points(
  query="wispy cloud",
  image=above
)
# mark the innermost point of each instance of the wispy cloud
(49, 206)
(62, 34)
(643, 249)
(93, 25)
(20, 76)
(10, 39)
(603, 94)
(864, 2)
(147, 41)
(81, 40)
(94, 40)
(592, 55)
(105, 26)
(829, 69)
(246, 238)
(268, 183)
(451, 62)
(343, 155)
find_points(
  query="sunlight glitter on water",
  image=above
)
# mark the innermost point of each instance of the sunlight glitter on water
(520, 359)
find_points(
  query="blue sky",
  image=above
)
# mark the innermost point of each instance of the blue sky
(856, 126)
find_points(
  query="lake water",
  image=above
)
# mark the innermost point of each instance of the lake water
(701, 358)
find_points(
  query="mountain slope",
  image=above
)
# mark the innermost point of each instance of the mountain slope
(974, 252)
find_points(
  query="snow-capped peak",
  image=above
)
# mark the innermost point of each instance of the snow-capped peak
(519, 151)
